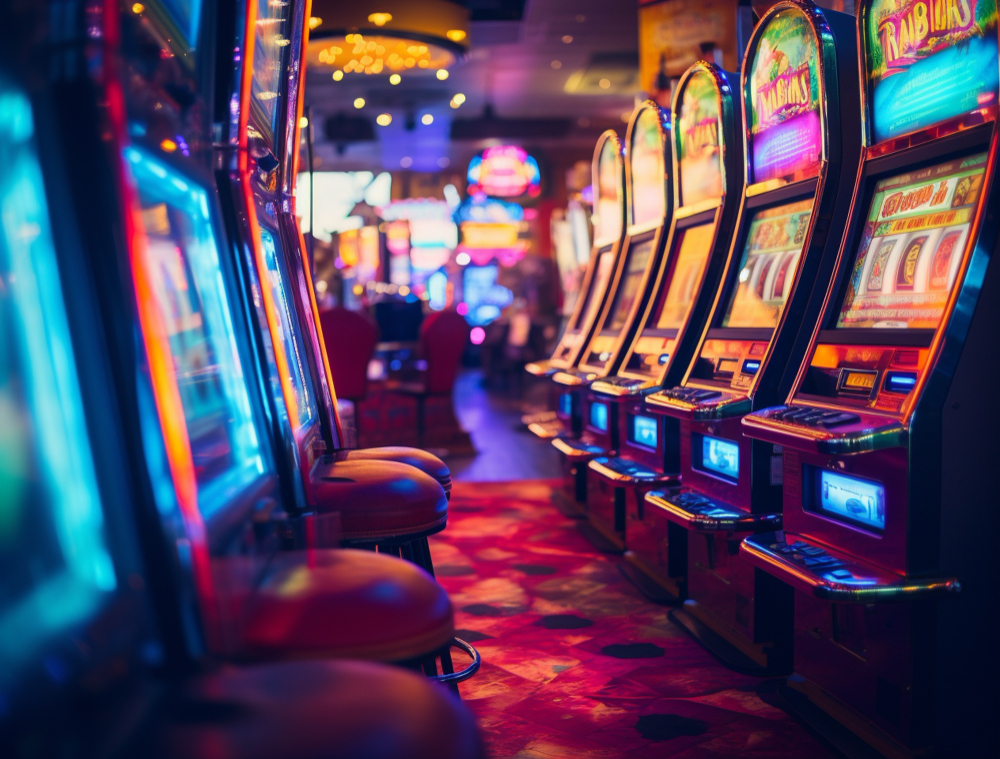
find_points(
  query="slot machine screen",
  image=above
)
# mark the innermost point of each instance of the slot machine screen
(290, 333)
(771, 255)
(716, 456)
(628, 288)
(189, 299)
(912, 246)
(845, 498)
(599, 416)
(692, 256)
(642, 431)
(598, 285)
(54, 560)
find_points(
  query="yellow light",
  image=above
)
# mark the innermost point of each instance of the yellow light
(380, 19)
(423, 63)
(358, 289)
(359, 102)
(404, 290)
(303, 122)
(338, 75)
(455, 35)
(426, 119)
(138, 8)
(458, 97)
(395, 79)
(383, 119)
(314, 21)
(454, 103)
(605, 84)
(168, 145)
(410, 63)
(442, 74)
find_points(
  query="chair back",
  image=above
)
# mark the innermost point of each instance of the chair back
(443, 337)
(350, 338)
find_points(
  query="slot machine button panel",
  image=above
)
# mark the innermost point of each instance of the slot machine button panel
(702, 514)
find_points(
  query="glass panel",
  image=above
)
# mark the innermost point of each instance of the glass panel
(270, 51)
(608, 203)
(54, 560)
(912, 246)
(770, 259)
(628, 288)
(648, 171)
(598, 285)
(698, 147)
(182, 264)
(290, 332)
(692, 257)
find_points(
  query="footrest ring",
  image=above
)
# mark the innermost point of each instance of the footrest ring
(453, 678)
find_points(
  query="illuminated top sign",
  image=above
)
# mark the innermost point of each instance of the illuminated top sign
(647, 167)
(608, 189)
(697, 139)
(505, 171)
(784, 93)
(491, 229)
(929, 61)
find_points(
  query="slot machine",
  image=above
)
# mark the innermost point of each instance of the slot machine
(608, 171)
(889, 510)
(649, 205)
(801, 143)
(708, 175)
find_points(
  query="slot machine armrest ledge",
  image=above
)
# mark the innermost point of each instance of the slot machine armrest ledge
(834, 578)
(723, 407)
(700, 514)
(868, 433)
(572, 378)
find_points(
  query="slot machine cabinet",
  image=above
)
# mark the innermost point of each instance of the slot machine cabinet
(649, 204)
(889, 512)
(608, 172)
(708, 176)
(801, 144)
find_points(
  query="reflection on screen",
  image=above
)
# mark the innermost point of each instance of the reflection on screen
(853, 499)
(290, 333)
(643, 431)
(692, 256)
(54, 562)
(767, 271)
(181, 259)
(598, 284)
(637, 256)
(912, 246)
(721, 457)
(271, 46)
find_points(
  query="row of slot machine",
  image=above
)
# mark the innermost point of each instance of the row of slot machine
(167, 422)
(773, 395)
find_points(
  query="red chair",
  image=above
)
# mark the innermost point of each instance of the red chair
(444, 336)
(350, 338)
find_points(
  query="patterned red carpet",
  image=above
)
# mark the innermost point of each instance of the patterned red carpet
(576, 663)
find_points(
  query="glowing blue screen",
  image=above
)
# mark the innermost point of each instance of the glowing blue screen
(644, 431)
(851, 498)
(599, 416)
(721, 457)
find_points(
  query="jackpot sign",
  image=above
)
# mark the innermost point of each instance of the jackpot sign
(929, 61)
(784, 94)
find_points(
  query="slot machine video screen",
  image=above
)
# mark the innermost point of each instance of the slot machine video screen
(767, 270)
(692, 256)
(849, 499)
(716, 456)
(912, 246)
(598, 285)
(643, 431)
(628, 288)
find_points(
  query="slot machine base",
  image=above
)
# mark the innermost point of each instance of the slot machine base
(733, 651)
(568, 502)
(605, 513)
(657, 550)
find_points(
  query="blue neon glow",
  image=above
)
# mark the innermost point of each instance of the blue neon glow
(721, 457)
(291, 334)
(599, 416)
(54, 559)
(900, 382)
(751, 367)
(852, 498)
(566, 404)
(182, 259)
(643, 431)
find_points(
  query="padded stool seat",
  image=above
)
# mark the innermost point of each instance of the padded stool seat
(347, 604)
(310, 710)
(379, 499)
(426, 462)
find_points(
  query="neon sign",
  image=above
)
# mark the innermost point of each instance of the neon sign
(785, 96)
(929, 61)
(505, 171)
(490, 228)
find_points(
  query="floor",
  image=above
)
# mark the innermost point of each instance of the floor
(507, 451)
(576, 662)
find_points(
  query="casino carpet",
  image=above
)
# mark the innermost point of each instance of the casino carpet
(576, 663)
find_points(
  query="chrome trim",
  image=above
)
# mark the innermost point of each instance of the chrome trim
(609, 386)
(600, 466)
(760, 426)
(576, 450)
(721, 408)
(703, 523)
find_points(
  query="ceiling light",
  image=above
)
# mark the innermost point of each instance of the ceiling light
(605, 84)
(380, 19)
(303, 122)
(359, 102)
(383, 119)
(426, 119)
(567, 38)
(556, 65)
(454, 103)
(456, 35)
(338, 75)
(458, 97)
(395, 79)
(314, 21)
(406, 162)
(463, 259)
(138, 8)
(442, 74)
(168, 145)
